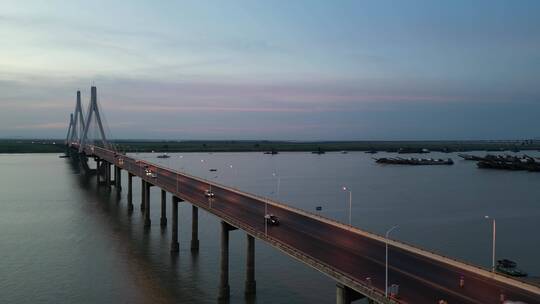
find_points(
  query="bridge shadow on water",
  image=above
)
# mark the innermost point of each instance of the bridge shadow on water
(158, 275)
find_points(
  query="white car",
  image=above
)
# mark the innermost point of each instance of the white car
(209, 193)
(149, 173)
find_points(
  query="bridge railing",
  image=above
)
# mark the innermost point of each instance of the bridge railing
(346, 278)
(465, 266)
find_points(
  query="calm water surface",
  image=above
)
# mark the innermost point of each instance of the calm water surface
(62, 241)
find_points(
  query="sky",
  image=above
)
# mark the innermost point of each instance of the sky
(276, 70)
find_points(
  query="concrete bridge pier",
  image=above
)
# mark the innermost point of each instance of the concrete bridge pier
(111, 168)
(163, 220)
(143, 188)
(251, 284)
(115, 174)
(118, 178)
(147, 221)
(83, 162)
(103, 169)
(174, 239)
(107, 174)
(346, 295)
(194, 228)
(98, 169)
(130, 192)
(224, 289)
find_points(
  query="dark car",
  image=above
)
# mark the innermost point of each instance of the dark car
(271, 219)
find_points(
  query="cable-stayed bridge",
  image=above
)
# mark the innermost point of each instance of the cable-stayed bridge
(354, 258)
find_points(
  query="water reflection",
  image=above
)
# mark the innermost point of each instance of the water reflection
(62, 237)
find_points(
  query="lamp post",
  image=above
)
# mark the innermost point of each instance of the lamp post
(350, 202)
(181, 157)
(278, 183)
(234, 171)
(386, 262)
(210, 196)
(494, 237)
(265, 219)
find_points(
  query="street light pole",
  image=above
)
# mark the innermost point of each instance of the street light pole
(265, 219)
(350, 203)
(233, 172)
(278, 183)
(210, 197)
(386, 263)
(350, 207)
(494, 237)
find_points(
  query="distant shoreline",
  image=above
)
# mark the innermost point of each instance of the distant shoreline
(57, 146)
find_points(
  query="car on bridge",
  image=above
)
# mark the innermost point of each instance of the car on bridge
(208, 193)
(149, 173)
(271, 219)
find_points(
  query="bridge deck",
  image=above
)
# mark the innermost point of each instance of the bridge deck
(347, 254)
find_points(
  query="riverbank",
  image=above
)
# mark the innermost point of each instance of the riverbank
(56, 146)
(12, 146)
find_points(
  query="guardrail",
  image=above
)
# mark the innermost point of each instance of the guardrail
(402, 245)
(342, 277)
(329, 270)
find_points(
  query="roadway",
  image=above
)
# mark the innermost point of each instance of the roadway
(421, 279)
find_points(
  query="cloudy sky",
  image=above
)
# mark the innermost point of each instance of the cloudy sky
(294, 70)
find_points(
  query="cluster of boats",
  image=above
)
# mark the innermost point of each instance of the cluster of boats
(413, 161)
(505, 162)
(510, 268)
(412, 150)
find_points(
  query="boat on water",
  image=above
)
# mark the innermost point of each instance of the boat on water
(273, 152)
(414, 161)
(446, 150)
(412, 150)
(510, 268)
(470, 157)
(164, 155)
(319, 151)
(508, 162)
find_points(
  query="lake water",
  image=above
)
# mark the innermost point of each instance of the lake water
(62, 241)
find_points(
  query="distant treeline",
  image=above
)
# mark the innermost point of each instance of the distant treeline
(55, 146)
(31, 146)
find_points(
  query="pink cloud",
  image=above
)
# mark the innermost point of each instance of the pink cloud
(188, 108)
(33, 105)
(226, 130)
(48, 126)
(195, 96)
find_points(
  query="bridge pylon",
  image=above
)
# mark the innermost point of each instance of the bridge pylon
(70, 128)
(93, 110)
(78, 124)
